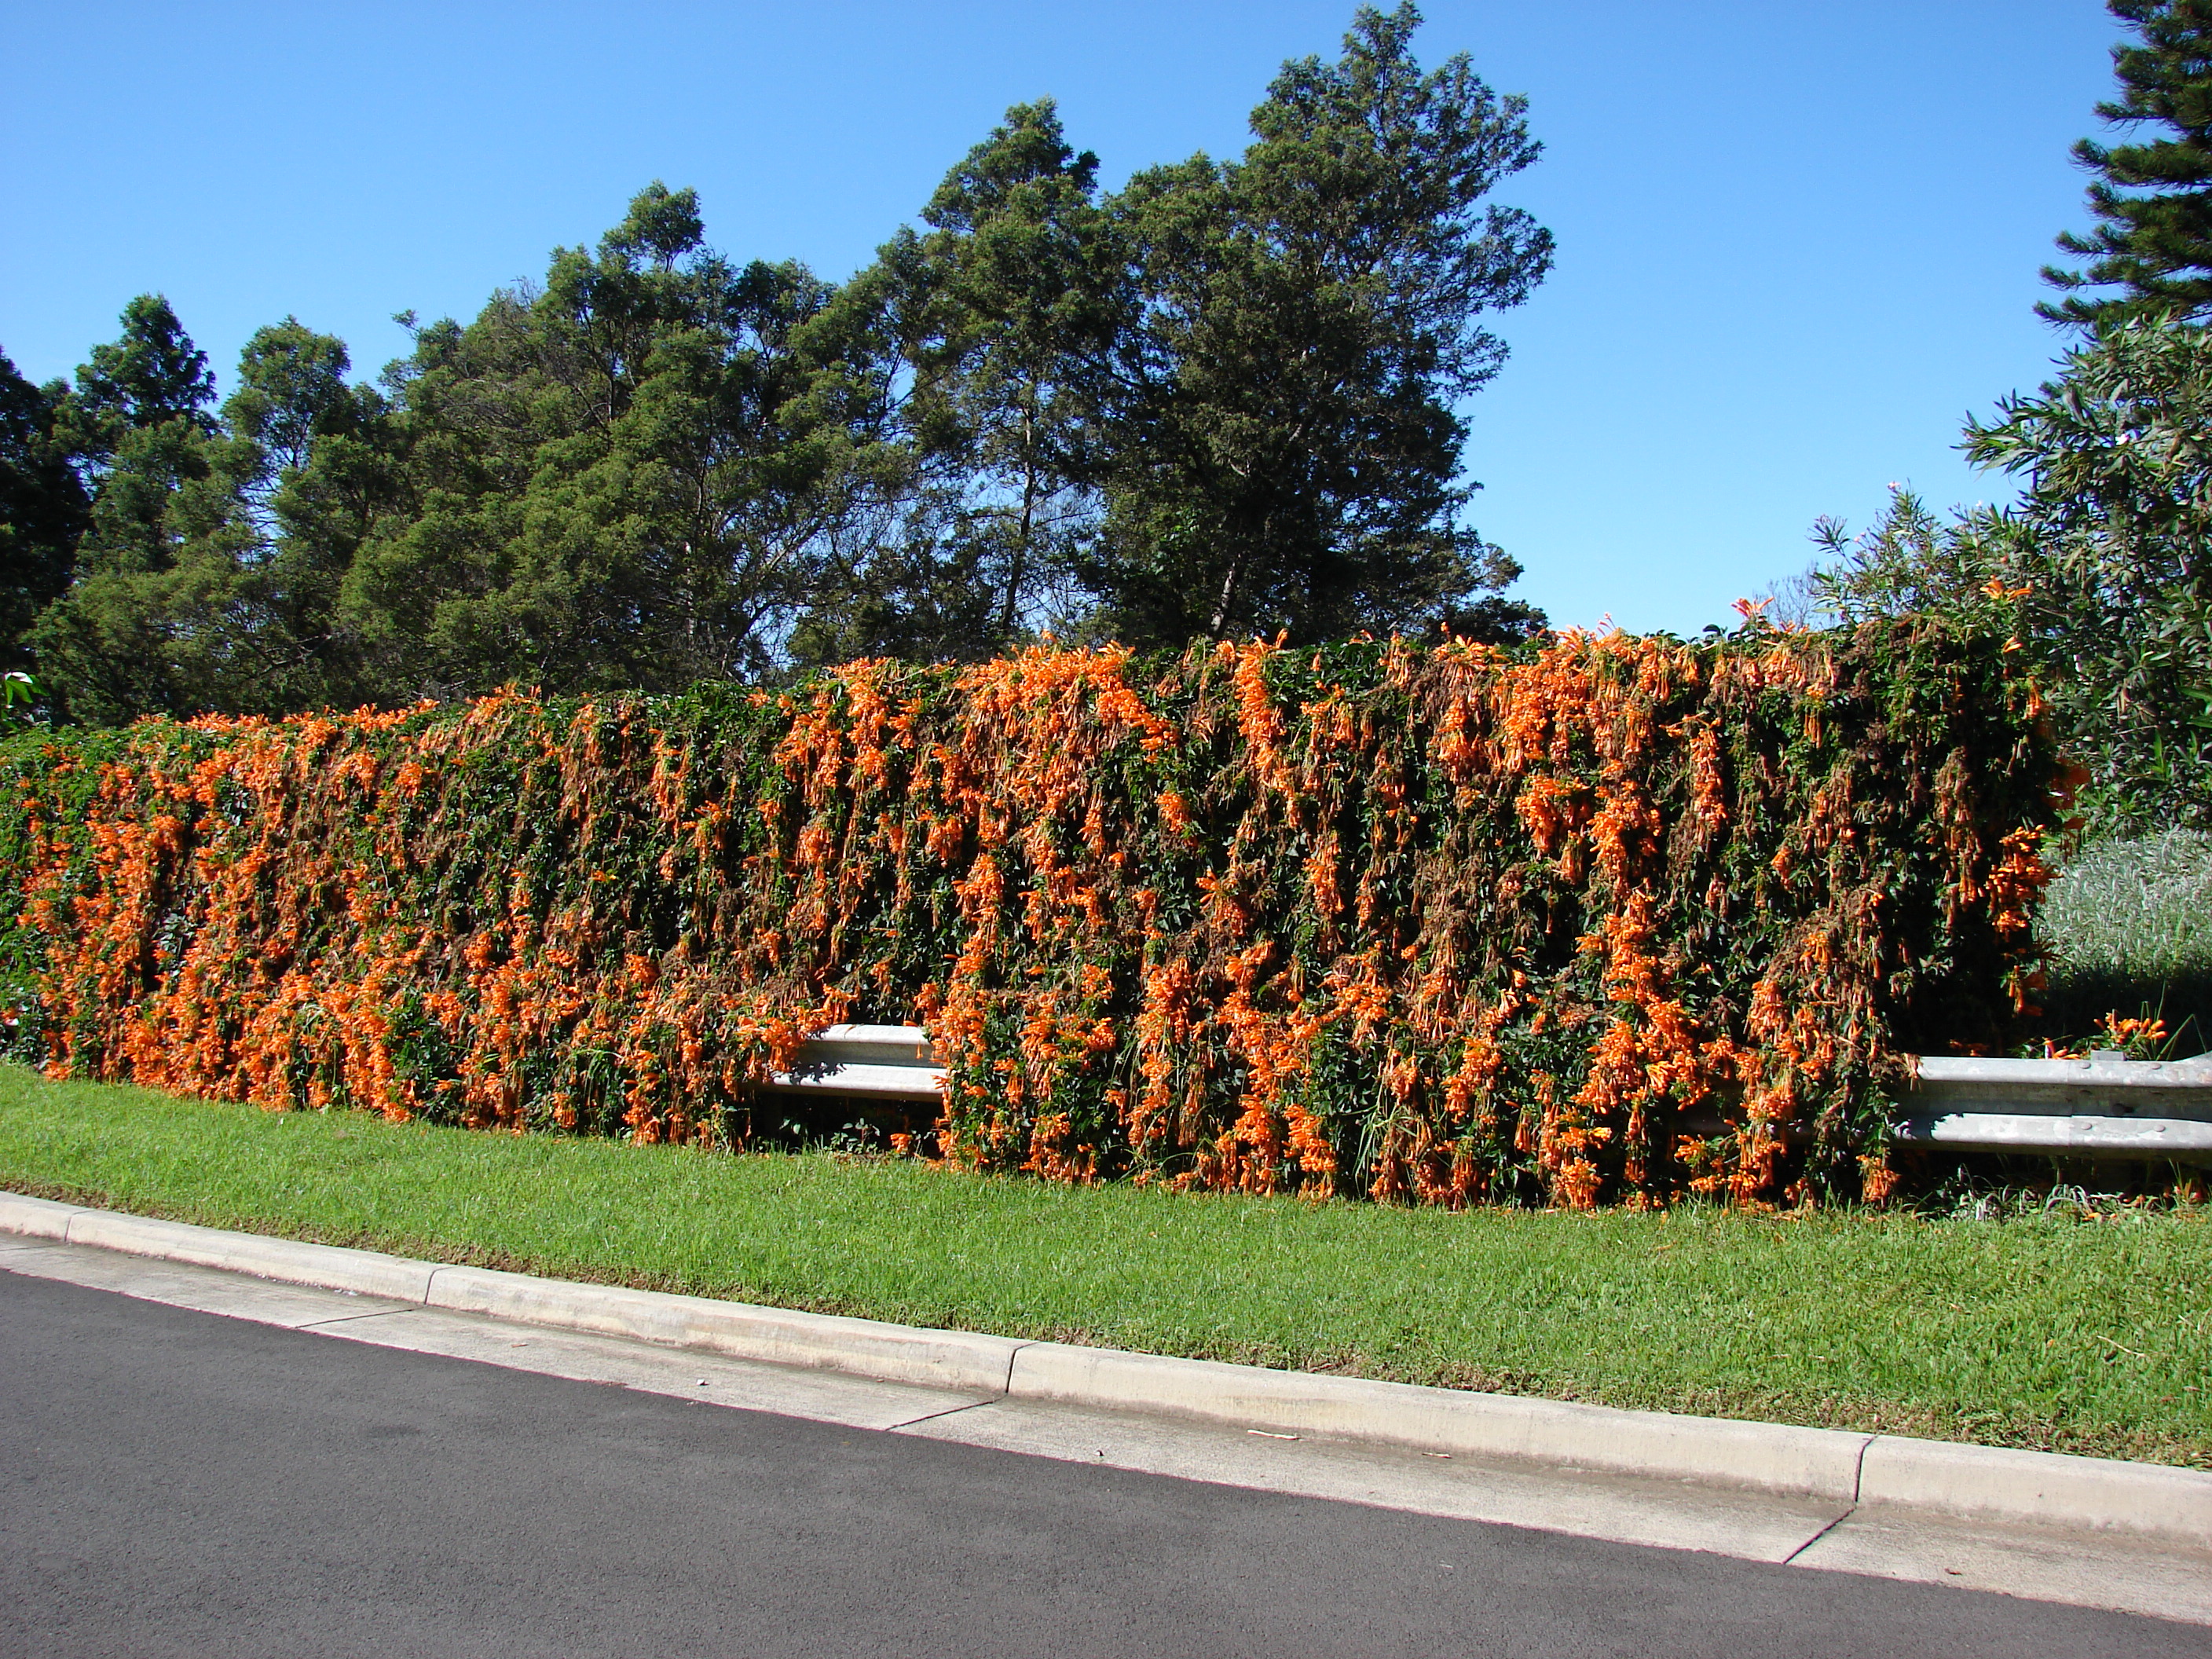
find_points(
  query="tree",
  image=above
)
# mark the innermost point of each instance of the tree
(983, 333)
(1033, 293)
(626, 478)
(1282, 450)
(2110, 554)
(2102, 572)
(211, 579)
(1490, 620)
(137, 426)
(1910, 562)
(44, 509)
(149, 377)
(1223, 400)
(2152, 200)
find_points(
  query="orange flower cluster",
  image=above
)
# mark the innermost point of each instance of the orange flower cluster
(1611, 919)
(359, 910)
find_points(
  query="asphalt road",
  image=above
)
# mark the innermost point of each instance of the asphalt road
(177, 1483)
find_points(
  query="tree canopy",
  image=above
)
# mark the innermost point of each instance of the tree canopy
(1224, 399)
(44, 508)
(1286, 453)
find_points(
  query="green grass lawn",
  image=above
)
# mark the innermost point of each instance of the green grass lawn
(2089, 1335)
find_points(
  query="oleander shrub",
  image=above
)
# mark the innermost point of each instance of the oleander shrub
(1604, 918)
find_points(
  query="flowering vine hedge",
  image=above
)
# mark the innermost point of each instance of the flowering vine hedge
(1612, 918)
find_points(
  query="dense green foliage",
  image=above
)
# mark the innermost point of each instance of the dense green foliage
(1289, 456)
(1218, 402)
(2102, 572)
(1611, 919)
(43, 509)
(2152, 200)
(2066, 1328)
(189, 592)
(2113, 544)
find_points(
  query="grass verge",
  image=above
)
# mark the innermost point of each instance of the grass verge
(2071, 1335)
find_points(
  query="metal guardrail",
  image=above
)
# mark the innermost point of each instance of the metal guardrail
(2106, 1106)
(884, 1062)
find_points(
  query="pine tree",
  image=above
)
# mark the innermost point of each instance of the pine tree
(985, 333)
(138, 427)
(2152, 200)
(1286, 456)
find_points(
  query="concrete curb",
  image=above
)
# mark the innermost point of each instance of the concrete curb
(962, 1360)
(1768, 1457)
(1976, 1482)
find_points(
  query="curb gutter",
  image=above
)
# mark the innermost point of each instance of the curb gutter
(1986, 1483)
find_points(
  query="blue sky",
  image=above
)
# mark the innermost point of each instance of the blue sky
(1797, 242)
